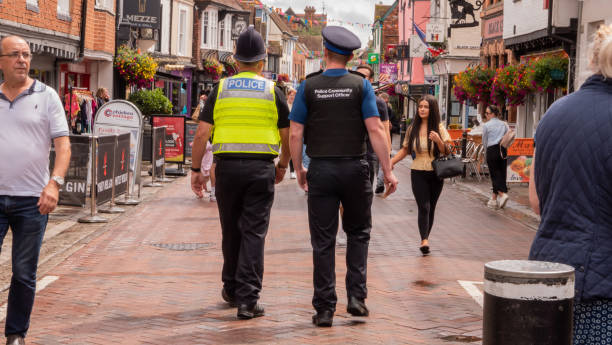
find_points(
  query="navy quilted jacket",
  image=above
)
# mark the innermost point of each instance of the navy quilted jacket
(573, 175)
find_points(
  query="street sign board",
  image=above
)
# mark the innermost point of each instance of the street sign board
(432, 79)
(373, 58)
(435, 33)
(141, 13)
(417, 47)
(118, 117)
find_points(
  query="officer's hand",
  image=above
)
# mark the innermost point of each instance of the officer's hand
(48, 198)
(301, 178)
(280, 174)
(390, 184)
(198, 183)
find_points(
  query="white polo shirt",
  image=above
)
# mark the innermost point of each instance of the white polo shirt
(27, 127)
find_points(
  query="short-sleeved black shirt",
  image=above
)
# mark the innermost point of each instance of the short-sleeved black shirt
(384, 116)
(206, 115)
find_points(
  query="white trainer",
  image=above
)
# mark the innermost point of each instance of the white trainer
(492, 204)
(293, 175)
(503, 200)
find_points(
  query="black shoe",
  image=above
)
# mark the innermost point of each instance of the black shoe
(228, 298)
(380, 189)
(323, 318)
(246, 312)
(357, 307)
(424, 250)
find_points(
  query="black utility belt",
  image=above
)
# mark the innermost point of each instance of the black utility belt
(253, 157)
(352, 158)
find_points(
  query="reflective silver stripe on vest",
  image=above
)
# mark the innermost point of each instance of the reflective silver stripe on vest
(255, 148)
(267, 93)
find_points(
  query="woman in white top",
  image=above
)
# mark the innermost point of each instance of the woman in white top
(492, 133)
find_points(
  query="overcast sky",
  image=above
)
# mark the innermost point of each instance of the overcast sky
(356, 11)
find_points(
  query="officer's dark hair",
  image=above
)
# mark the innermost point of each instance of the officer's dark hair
(344, 59)
(369, 68)
(248, 64)
(433, 124)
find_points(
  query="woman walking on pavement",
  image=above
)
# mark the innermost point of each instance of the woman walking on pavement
(427, 138)
(570, 185)
(290, 98)
(492, 132)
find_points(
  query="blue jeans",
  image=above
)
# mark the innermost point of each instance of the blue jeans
(305, 158)
(28, 227)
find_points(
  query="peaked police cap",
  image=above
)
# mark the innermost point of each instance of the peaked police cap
(250, 47)
(340, 40)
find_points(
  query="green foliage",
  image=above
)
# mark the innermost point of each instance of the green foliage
(151, 102)
(550, 73)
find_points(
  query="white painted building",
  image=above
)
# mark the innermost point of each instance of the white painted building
(312, 65)
(528, 34)
(463, 47)
(593, 13)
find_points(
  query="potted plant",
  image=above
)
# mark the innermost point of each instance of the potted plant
(136, 68)
(151, 102)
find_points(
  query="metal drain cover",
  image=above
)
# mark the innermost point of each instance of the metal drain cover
(461, 338)
(182, 246)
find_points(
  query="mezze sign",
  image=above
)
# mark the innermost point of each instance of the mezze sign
(141, 13)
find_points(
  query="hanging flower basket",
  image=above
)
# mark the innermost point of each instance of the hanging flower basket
(474, 84)
(231, 68)
(136, 68)
(213, 68)
(550, 73)
(512, 84)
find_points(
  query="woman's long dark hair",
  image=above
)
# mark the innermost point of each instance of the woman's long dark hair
(433, 124)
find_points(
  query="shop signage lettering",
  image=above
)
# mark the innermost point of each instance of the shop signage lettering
(141, 13)
(74, 187)
(141, 19)
(246, 84)
(105, 185)
(494, 27)
(121, 179)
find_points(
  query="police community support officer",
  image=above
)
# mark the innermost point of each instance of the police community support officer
(335, 109)
(250, 118)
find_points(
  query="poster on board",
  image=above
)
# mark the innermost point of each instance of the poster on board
(520, 157)
(175, 136)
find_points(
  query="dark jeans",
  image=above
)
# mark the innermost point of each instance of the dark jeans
(245, 193)
(426, 187)
(331, 182)
(373, 164)
(28, 228)
(497, 169)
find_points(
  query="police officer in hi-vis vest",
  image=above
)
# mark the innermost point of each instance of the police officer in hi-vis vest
(333, 110)
(250, 119)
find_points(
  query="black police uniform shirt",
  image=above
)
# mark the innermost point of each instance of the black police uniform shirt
(206, 115)
(300, 111)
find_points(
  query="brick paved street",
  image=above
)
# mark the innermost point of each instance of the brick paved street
(154, 276)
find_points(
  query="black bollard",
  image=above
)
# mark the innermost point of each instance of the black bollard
(463, 149)
(528, 303)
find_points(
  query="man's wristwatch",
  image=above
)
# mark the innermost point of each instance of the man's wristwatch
(195, 169)
(59, 180)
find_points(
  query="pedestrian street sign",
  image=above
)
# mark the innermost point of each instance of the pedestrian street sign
(373, 58)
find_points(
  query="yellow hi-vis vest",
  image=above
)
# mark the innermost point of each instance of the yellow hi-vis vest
(245, 116)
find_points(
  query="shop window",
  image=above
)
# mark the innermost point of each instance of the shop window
(205, 24)
(32, 5)
(182, 32)
(106, 5)
(222, 33)
(63, 9)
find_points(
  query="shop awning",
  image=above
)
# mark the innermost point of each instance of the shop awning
(226, 57)
(168, 77)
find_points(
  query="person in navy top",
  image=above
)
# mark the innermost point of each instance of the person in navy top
(332, 112)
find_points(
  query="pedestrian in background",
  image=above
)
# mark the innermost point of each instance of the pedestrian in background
(290, 98)
(371, 157)
(571, 186)
(335, 109)
(250, 117)
(492, 133)
(427, 139)
(102, 96)
(32, 117)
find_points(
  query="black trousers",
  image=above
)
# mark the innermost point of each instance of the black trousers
(373, 164)
(426, 188)
(245, 193)
(497, 169)
(331, 182)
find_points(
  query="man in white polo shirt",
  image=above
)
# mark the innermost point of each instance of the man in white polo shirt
(31, 116)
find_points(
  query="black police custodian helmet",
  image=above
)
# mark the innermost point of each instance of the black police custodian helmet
(250, 47)
(340, 40)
